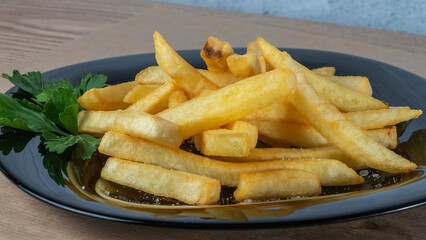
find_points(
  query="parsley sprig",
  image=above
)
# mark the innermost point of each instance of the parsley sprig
(50, 109)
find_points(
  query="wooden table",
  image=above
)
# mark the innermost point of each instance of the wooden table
(45, 34)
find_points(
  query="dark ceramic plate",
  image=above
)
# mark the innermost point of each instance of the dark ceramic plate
(393, 85)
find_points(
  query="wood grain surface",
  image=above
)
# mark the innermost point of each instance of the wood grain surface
(45, 34)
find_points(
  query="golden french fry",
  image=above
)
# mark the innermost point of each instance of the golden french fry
(325, 71)
(186, 76)
(280, 111)
(354, 83)
(330, 172)
(253, 47)
(156, 100)
(369, 119)
(372, 119)
(176, 98)
(230, 103)
(214, 54)
(223, 142)
(387, 136)
(334, 127)
(186, 187)
(268, 154)
(134, 123)
(221, 79)
(272, 184)
(305, 135)
(241, 126)
(246, 65)
(138, 92)
(107, 98)
(153, 75)
(343, 98)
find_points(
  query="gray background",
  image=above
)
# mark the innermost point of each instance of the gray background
(393, 15)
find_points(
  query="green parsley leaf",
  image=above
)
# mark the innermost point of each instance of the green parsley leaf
(47, 92)
(69, 118)
(31, 82)
(86, 146)
(89, 81)
(58, 144)
(50, 109)
(14, 114)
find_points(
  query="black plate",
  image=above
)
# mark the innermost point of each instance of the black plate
(391, 84)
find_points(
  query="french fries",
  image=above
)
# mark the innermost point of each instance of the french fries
(156, 100)
(341, 97)
(134, 123)
(241, 126)
(138, 92)
(225, 111)
(333, 126)
(221, 79)
(305, 135)
(325, 71)
(268, 154)
(280, 183)
(230, 103)
(370, 119)
(223, 142)
(183, 186)
(186, 76)
(106, 99)
(214, 53)
(373, 119)
(154, 75)
(354, 83)
(330, 172)
(246, 65)
(176, 98)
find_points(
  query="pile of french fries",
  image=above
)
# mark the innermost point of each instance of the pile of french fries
(321, 127)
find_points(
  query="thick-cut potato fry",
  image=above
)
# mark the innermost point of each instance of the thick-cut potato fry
(107, 98)
(176, 98)
(387, 136)
(330, 172)
(246, 65)
(186, 187)
(156, 100)
(343, 98)
(372, 119)
(268, 154)
(334, 127)
(281, 183)
(354, 83)
(221, 79)
(280, 111)
(369, 119)
(134, 123)
(214, 54)
(139, 92)
(185, 75)
(304, 135)
(231, 103)
(241, 126)
(153, 75)
(223, 142)
(325, 71)
(253, 47)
